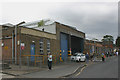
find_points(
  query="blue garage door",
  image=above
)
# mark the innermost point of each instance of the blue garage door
(64, 46)
(32, 52)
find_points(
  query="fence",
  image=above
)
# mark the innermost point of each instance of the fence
(28, 62)
(38, 59)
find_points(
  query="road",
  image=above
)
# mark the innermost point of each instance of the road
(107, 69)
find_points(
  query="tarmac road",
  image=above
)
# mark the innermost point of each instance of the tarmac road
(107, 69)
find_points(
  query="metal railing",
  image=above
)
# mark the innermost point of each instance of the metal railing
(27, 62)
(40, 58)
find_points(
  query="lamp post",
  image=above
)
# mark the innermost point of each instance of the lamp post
(16, 43)
(20, 45)
(95, 40)
(93, 44)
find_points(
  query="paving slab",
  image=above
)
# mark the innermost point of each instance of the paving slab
(56, 71)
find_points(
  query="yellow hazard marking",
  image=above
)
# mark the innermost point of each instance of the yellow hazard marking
(61, 59)
(69, 51)
(6, 47)
(69, 54)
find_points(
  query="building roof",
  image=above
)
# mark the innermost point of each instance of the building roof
(47, 22)
(34, 24)
(93, 41)
(71, 27)
(8, 24)
(67, 25)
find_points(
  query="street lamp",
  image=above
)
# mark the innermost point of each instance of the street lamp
(16, 42)
(95, 40)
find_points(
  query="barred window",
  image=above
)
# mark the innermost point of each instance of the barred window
(48, 46)
(41, 46)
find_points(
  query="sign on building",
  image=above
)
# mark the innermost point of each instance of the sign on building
(22, 46)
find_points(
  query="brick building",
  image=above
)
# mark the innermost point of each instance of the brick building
(37, 41)
(93, 46)
(97, 47)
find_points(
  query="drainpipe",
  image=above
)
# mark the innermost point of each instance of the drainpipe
(70, 44)
(20, 47)
(15, 44)
(13, 47)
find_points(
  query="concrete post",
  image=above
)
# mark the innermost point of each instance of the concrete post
(20, 47)
(15, 44)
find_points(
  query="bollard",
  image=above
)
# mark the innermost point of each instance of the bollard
(61, 57)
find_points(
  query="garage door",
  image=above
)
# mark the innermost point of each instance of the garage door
(64, 46)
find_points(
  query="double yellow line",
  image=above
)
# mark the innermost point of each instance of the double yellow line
(81, 71)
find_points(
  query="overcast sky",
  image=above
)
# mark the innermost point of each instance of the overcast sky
(96, 19)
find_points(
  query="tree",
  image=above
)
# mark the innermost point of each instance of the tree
(118, 42)
(108, 41)
(95, 39)
(41, 23)
(107, 38)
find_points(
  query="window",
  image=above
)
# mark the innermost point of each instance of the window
(41, 46)
(48, 46)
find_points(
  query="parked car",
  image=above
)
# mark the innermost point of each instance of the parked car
(78, 57)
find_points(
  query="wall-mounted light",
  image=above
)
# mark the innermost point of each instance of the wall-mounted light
(33, 41)
(18, 42)
(2, 44)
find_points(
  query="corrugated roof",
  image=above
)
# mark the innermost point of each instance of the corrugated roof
(8, 24)
(46, 21)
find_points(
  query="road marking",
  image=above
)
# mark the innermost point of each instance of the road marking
(83, 68)
(81, 71)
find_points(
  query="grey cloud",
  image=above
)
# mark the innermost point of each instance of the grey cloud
(96, 22)
(95, 19)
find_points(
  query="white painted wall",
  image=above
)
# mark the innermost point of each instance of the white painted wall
(49, 28)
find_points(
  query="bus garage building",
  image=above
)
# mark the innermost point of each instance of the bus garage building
(59, 39)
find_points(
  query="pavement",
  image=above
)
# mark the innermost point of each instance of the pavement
(5, 76)
(16, 70)
(59, 70)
